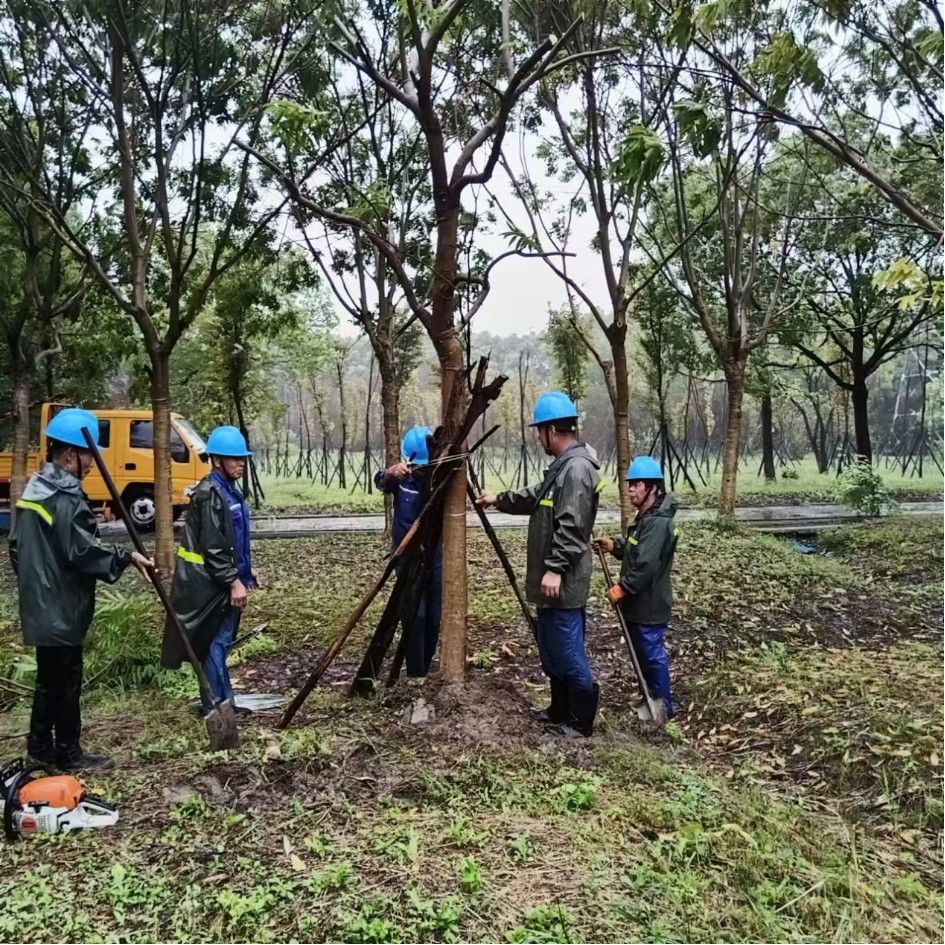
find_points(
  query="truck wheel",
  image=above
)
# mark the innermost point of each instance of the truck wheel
(139, 500)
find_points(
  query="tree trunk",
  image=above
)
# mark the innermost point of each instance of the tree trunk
(344, 426)
(622, 427)
(163, 497)
(735, 388)
(767, 438)
(449, 349)
(861, 419)
(21, 427)
(391, 421)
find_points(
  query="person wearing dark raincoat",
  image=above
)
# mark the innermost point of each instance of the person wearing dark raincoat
(645, 591)
(561, 510)
(58, 561)
(405, 483)
(214, 568)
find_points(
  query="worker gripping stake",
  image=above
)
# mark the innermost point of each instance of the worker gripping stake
(644, 592)
(214, 567)
(561, 510)
(58, 560)
(406, 482)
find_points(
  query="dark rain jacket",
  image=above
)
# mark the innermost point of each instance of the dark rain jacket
(562, 509)
(58, 559)
(206, 567)
(647, 554)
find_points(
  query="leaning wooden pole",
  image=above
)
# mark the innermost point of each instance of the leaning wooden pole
(352, 622)
(473, 490)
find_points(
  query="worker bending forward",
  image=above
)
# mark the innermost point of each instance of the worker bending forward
(214, 567)
(58, 560)
(645, 592)
(405, 483)
(562, 509)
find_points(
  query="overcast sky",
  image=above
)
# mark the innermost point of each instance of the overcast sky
(524, 289)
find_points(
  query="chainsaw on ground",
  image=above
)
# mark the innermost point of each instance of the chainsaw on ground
(34, 799)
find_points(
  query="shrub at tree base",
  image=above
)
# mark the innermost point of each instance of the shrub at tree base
(861, 488)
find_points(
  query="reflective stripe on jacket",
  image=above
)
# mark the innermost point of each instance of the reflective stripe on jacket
(205, 567)
(58, 559)
(647, 554)
(561, 510)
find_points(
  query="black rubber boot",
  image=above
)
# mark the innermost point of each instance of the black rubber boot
(39, 741)
(584, 704)
(78, 760)
(559, 711)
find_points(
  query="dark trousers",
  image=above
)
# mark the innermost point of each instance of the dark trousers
(56, 720)
(648, 640)
(423, 630)
(561, 646)
(214, 664)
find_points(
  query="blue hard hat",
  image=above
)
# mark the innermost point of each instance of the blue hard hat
(553, 406)
(413, 446)
(227, 441)
(644, 467)
(66, 427)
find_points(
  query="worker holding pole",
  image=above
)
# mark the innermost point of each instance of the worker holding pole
(214, 569)
(406, 483)
(58, 560)
(644, 592)
(562, 509)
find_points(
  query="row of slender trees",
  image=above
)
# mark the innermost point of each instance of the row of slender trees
(751, 169)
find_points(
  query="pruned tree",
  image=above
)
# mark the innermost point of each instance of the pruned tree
(602, 112)
(170, 86)
(852, 320)
(451, 78)
(44, 127)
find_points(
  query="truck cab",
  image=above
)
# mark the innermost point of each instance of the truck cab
(126, 442)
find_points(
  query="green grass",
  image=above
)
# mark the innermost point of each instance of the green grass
(301, 494)
(798, 798)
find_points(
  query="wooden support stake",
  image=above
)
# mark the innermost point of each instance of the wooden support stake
(473, 488)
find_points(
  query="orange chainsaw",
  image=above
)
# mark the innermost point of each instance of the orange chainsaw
(33, 799)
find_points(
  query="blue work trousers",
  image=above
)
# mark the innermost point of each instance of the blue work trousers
(561, 646)
(214, 664)
(651, 650)
(423, 629)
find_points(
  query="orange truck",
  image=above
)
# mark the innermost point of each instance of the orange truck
(126, 441)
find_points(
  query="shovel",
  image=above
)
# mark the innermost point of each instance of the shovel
(221, 720)
(652, 710)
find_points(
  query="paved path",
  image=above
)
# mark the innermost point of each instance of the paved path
(772, 518)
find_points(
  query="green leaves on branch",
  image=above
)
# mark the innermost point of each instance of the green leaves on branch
(784, 63)
(296, 126)
(696, 122)
(915, 287)
(640, 157)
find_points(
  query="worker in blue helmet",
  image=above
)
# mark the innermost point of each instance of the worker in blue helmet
(645, 592)
(420, 613)
(58, 561)
(214, 567)
(561, 510)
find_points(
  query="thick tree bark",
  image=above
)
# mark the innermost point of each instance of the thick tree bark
(21, 426)
(164, 514)
(622, 426)
(767, 438)
(391, 420)
(449, 349)
(861, 420)
(735, 385)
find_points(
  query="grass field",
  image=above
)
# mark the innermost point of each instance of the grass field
(797, 798)
(301, 494)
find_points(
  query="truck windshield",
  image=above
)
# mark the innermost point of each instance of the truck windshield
(196, 440)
